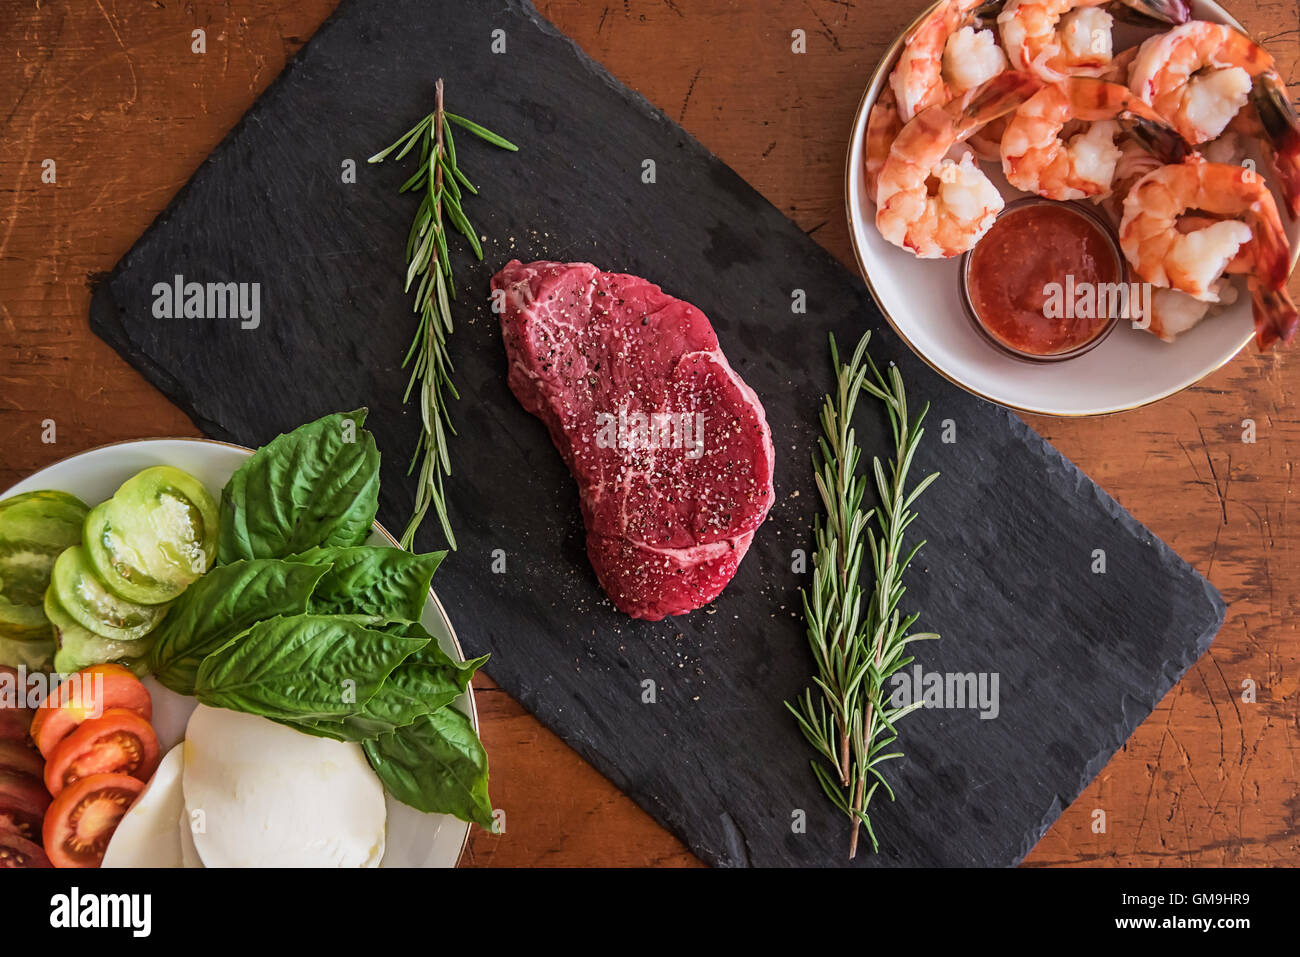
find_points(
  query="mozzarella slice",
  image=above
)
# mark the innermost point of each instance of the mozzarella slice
(264, 795)
(147, 836)
(189, 853)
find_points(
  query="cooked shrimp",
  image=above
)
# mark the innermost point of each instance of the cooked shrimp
(1036, 157)
(1241, 211)
(1174, 312)
(1266, 127)
(883, 125)
(944, 57)
(1188, 259)
(1199, 76)
(972, 57)
(1054, 39)
(929, 203)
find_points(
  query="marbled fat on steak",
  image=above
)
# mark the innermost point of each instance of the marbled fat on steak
(669, 447)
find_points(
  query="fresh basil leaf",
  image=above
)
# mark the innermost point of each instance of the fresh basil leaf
(302, 667)
(435, 764)
(384, 584)
(425, 682)
(428, 680)
(419, 685)
(318, 485)
(432, 654)
(225, 602)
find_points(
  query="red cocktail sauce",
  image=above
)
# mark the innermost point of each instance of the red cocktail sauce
(1025, 279)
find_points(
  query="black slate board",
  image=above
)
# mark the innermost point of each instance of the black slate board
(1012, 526)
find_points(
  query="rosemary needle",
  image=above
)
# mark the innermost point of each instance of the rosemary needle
(858, 640)
(443, 187)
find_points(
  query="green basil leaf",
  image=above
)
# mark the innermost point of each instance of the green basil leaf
(425, 682)
(385, 584)
(435, 764)
(302, 667)
(418, 686)
(318, 485)
(225, 602)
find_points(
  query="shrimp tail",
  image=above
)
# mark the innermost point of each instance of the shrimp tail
(1275, 314)
(996, 98)
(1154, 136)
(883, 125)
(1164, 11)
(1287, 163)
(989, 9)
(1270, 249)
(1282, 127)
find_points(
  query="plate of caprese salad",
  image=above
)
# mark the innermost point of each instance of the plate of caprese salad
(211, 656)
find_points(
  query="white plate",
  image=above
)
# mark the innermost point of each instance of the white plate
(414, 839)
(920, 299)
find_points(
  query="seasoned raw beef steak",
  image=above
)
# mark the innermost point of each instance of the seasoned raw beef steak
(670, 448)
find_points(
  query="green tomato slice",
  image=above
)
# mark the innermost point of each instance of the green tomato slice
(32, 655)
(154, 537)
(79, 591)
(35, 528)
(76, 647)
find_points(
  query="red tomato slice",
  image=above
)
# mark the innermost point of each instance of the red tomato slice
(14, 723)
(82, 819)
(74, 702)
(23, 801)
(118, 742)
(22, 758)
(17, 851)
(7, 710)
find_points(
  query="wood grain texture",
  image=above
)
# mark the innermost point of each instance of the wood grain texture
(113, 93)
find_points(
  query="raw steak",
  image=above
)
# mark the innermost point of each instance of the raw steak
(670, 448)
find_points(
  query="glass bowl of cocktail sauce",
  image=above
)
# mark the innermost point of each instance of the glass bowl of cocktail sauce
(1036, 285)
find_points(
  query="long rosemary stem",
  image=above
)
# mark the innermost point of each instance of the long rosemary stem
(850, 721)
(443, 187)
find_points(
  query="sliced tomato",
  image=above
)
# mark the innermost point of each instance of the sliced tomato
(82, 596)
(74, 702)
(14, 724)
(118, 742)
(17, 851)
(14, 721)
(21, 757)
(154, 537)
(82, 819)
(23, 802)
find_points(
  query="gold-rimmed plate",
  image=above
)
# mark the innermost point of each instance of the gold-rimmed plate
(414, 839)
(921, 300)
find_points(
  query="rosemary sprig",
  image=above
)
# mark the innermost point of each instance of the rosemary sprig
(443, 187)
(857, 645)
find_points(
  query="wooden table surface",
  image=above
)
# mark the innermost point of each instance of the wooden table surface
(111, 91)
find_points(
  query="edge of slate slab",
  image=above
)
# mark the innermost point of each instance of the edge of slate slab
(1173, 670)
